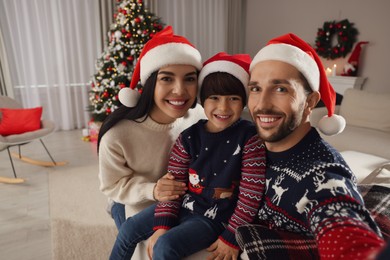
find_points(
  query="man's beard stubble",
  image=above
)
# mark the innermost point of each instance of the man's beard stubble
(285, 129)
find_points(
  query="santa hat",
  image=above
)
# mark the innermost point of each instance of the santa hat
(163, 49)
(351, 68)
(291, 49)
(236, 65)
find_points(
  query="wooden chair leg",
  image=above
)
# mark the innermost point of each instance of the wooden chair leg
(38, 162)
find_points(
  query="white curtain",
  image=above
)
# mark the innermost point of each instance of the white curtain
(5, 78)
(211, 25)
(52, 46)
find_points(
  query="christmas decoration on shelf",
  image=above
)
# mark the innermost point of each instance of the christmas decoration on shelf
(345, 34)
(351, 68)
(133, 27)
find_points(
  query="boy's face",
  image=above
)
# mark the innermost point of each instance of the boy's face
(222, 111)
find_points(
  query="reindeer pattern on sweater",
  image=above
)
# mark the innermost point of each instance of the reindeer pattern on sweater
(309, 188)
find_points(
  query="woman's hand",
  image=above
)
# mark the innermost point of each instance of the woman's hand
(220, 250)
(168, 189)
(153, 240)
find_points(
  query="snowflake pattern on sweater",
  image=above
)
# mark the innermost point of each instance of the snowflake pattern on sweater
(312, 191)
(225, 174)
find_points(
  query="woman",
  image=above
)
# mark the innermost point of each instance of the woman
(135, 140)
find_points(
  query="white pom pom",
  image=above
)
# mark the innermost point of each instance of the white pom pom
(331, 125)
(129, 97)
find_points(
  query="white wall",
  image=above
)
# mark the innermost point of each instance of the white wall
(268, 19)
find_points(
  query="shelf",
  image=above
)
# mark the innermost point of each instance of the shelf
(342, 83)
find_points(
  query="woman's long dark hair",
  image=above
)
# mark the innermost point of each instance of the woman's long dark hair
(142, 109)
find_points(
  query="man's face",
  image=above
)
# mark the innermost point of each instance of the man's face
(277, 101)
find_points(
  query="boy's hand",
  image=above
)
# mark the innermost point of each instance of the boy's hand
(168, 189)
(220, 250)
(153, 240)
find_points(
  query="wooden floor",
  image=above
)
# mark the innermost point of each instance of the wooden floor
(24, 208)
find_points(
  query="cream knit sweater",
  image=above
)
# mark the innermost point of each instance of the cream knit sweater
(133, 156)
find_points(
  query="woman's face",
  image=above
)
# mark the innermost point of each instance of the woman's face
(175, 92)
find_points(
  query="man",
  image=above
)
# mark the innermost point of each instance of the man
(311, 192)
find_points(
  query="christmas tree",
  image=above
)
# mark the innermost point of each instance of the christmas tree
(133, 27)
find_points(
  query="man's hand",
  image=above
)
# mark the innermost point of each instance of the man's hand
(153, 240)
(168, 189)
(220, 250)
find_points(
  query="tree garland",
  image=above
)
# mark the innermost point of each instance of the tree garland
(346, 37)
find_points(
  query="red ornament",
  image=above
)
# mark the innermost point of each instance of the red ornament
(128, 35)
(105, 94)
(108, 110)
(151, 35)
(123, 30)
(122, 85)
(124, 63)
(130, 58)
(137, 20)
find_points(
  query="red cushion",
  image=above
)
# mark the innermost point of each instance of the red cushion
(18, 121)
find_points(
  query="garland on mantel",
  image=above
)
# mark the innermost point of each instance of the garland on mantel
(346, 38)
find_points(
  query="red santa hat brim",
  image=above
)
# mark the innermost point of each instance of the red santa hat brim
(171, 53)
(293, 56)
(224, 66)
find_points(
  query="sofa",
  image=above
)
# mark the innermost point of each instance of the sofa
(365, 141)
